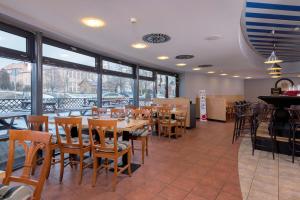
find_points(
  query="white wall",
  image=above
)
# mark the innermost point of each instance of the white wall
(191, 83)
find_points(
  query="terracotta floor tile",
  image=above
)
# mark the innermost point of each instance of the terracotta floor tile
(173, 193)
(227, 196)
(207, 192)
(200, 165)
(184, 183)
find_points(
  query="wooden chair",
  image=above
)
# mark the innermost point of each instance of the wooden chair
(117, 113)
(40, 123)
(107, 149)
(71, 145)
(181, 117)
(166, 123)
(32, 141)
(98, 111)
(141, 134)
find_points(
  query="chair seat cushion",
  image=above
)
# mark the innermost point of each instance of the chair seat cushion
(140, 133)
(109, 145)
(75, 140)
(20, 192)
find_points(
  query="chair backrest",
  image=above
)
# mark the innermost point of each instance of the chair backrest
(164, 115)
(100, 127)
(130, 107)
(37, 123)
(141, 114)
(69, 124)
(32, 141)
(183, 110)
(117, 113)
(98, 111)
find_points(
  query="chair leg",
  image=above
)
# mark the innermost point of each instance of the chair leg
(143, 150)
(95, 167)
(80, 168)
(62, 166)
(147, 140)
(234, 131)
(132, 145)
(129, 163)
(293, 149)
(49, 166)
(115, 173)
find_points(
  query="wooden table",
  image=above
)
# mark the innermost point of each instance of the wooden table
(122, 125)
(12, 116)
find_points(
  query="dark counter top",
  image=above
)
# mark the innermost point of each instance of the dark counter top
(281, 101)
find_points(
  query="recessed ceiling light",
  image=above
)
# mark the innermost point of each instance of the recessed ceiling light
(236, 76)
(211, 72)
(213, 37)
(223, 74)
(93, 22)
(162, 57)
(133, 20)
(297, 28)
(139, 45)
(248, 77)
(298, 76)
(180, 64)
(196, 69)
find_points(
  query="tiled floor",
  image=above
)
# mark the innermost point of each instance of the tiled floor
(261, 177)
(201, 165)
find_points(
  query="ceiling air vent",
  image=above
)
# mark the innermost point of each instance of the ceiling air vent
(184, 57)
(156, 38)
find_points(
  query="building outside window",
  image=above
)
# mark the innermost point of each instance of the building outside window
(161, 86)
(117, 91)
(171, 86)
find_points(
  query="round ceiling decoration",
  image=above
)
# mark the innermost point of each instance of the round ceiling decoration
(156, 38)
(205, 66)
(184, 56)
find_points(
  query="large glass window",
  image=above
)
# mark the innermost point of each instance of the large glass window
(65, 89)
(15, 90)
(116, 67)
(12, 41)
(145, 73)
(161, 86)
(69, 56)
(171, 86)
(146, 89)
(117, 91)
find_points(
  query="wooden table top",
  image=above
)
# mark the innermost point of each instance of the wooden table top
(122, 125)
(13, 114)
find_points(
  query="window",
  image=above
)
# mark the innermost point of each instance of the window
(145, 73)
(111, 66)
(117, 91)
(15, 88)
(161, 86)
(11, 41)
(146, 90)
(171, 86)
(67, 55)
(65, 89)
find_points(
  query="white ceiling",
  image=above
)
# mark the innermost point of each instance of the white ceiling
(187, 22)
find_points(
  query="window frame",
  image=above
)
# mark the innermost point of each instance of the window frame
(15, 54)
(115, 73)
(146, 77)
(68, 64)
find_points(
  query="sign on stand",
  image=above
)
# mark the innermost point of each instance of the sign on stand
(203, 114)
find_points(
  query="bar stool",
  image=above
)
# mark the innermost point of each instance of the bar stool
(294, 121)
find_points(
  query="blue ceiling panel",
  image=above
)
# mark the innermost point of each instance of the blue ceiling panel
(261, 17)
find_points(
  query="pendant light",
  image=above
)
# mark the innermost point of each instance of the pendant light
(275, 67)
(273, 58)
